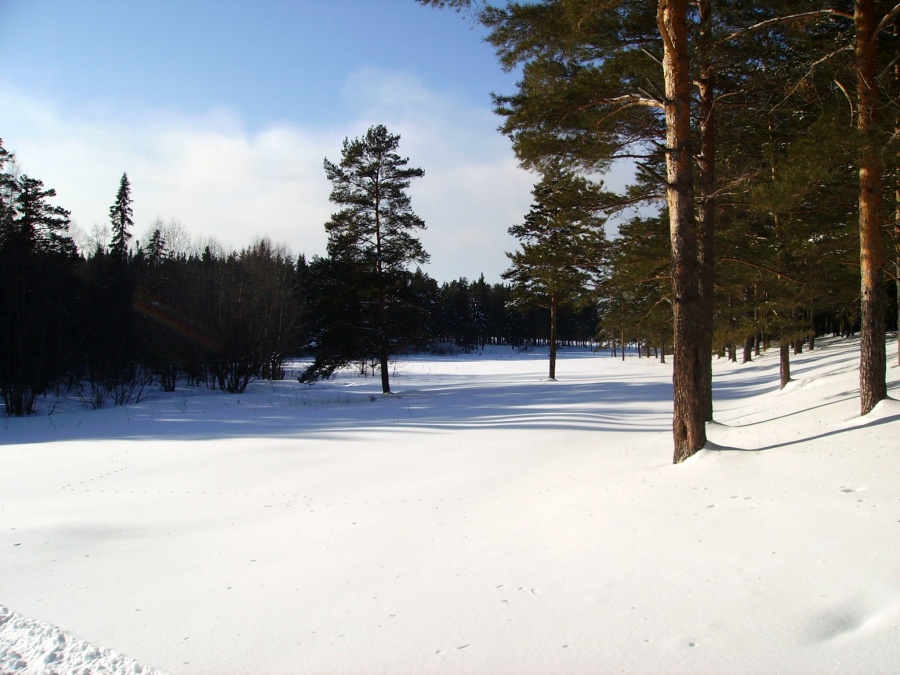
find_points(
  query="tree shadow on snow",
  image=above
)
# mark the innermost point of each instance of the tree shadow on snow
(853, 425)
(609, 404)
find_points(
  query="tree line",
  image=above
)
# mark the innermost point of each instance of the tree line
(765, 132)
(107, 323)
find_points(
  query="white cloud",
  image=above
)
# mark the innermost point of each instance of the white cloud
(219, 179)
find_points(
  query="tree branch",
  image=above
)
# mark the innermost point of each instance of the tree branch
(762, 268)
(885, 21)
(811, 69)
(792, 17)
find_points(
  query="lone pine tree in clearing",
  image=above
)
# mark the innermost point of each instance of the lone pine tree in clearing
(370, 246)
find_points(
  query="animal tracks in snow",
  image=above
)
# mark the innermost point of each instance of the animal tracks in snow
(518, 591)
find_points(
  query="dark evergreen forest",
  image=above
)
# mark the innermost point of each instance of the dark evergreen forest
(108, 324)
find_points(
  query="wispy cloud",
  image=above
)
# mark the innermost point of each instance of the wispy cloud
(219, 179)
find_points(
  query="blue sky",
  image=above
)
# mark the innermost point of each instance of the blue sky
(222, 111)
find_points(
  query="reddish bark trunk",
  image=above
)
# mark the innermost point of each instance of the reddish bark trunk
(748, 348)
(785, 363)
(873, 357)
(706, 182)
(688, 424)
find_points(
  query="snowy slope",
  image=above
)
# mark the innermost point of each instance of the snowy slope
(480, 520)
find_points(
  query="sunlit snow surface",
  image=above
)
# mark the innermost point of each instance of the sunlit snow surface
(481, 519)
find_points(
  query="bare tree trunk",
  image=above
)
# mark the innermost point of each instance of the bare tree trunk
(689, 373)
(873, 357)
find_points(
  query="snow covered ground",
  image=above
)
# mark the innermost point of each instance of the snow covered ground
(481, 520)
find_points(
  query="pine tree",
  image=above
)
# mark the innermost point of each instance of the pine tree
(871, 18)
(371, 245)
(38, 289)
(607, 80)
(156, 248)
(636, 292)
(561, 245)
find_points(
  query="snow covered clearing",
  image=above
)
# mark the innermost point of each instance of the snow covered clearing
(481, 520)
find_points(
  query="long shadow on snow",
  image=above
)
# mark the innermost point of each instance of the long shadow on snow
(890, 419)
(335, 413)
(765, 378)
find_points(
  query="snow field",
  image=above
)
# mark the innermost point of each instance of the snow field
(482, 519)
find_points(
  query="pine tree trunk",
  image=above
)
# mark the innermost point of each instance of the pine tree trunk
(554, 306)
(785, 363)
(689, 373)
(812, 330)
(706, 182)
(385, 383)
(897, 205)
(748, 348)
(873, 357)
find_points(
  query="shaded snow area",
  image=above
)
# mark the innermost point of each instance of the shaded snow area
(481, 519)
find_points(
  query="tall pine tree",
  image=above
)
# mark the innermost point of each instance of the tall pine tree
(370, 247)
(562, 244)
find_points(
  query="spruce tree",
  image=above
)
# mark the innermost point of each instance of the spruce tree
(121, 219)
(113, 349)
